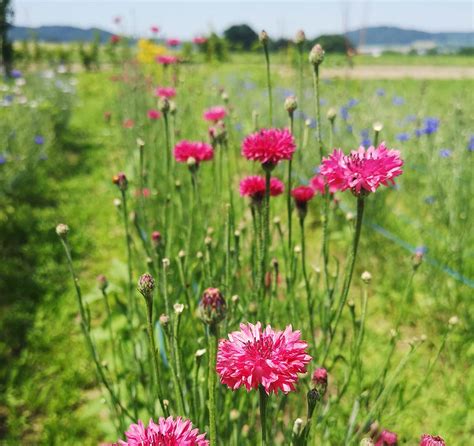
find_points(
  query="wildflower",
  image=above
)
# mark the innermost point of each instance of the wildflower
(352, 103)
(300, 37)
(366, 277)
(431, 440)
(380, 92)
(212, 306)
(107, 116)
(167, 431)
(193, 152)
(154, 29)
(301, 195)
(199, 40)
(254, 187)
(316, 55)
(344, 113)
(121, 181)
(173, 42)
(215, 114)
(269, 146)
(178, 308)
(320, 379)
(128, 123)
(331, 114)
(166, 60)
(253, 357)
(445, 153)
(16, 74)
(39, 140)
(153, 114)
(102, 282)
(291, 104)
(470, 145)
(156, 238)
(362, 170)
(403, 137)
(114, 39)
(431, 126)
(165, 92)
(62, 230)
(263, 37)
(146, 286)
(164, 105)
(377, 126)
(3, 159)
(398, 100)
(387, 438)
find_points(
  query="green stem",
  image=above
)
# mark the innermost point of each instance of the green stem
(349, 272)
(167, 140)
(317, 107)
(213, 336)
(269, 85)
(289, 203)
(263, 414)
(306, 280)
(129, 251)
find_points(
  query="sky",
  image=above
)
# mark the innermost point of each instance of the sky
(186, 19)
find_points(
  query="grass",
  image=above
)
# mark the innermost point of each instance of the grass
(53, 375)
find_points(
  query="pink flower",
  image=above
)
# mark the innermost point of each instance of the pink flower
(269, 146)
(431, 440)
(199, 40)
(363, 169)
(387, 438)
(320, 376)
(215, 113)
(318, 184)
(173, 42)
(302, 194)
(153, 114)
(166, 60)
(114, 39)
(252, 357)
(254, 187)
(154, 29)
(128, 123)
(168, 432)
(165, 92)
(187, 151)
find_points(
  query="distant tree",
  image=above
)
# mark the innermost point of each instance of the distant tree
(466, 51)
(334, 43)
(6, 18)
(240, 37)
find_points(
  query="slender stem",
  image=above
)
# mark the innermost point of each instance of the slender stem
(167, 140)
(349, 272)
(289, 203)
(263, 415)
(213, 336)
(306, 280)
(317, 107)
(325, 247)
(269, 85)
(266, 227)
(129, 250)
(154, 354)
(300, 94)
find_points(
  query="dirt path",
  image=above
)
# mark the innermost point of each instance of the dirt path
(400, 72)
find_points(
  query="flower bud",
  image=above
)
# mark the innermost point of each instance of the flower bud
(300, 37)
(225, 97)
(62, 230)
(235, 299)
(212, 306)
(263, 37)
(234, 415)
(173, 108)
(453, 320)
(291, 104)
(331, 114)
(165, 262)
(200, 353)
(178, 308)
(155, 238)
(316, 55)
(297, 427)
(140, 143)
(164, 320)
(320, 380)
(366, 277)
(366, 442)
(164, 105)
(417, 258)
(377, 126)
(121, 181)
(117, 202)
(102, 282)
(146, 286)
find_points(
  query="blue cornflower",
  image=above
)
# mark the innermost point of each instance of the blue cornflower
(349, 128)
(403, 137)
(410, 118)
(421, 250)
(380, 92)
(364, 133)
(344, 113)
(445, 153)
(366, 142)
(352, 103)
(431, 125)
(430, 199)
(16, 74)
(323, 101)
(39, 140)
(470, 146)
(3, 159)
(311, 123)
(398, 100)
(300, 115)
(419, 132)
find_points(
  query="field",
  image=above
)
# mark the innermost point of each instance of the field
(397, 347)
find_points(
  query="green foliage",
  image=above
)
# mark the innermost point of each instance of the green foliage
(241, 37)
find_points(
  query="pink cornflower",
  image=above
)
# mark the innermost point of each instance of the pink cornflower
(387, 438)
(173, 42)
(153, 114)
(431, 440)
(302, 194)
(363, 170)
(318, 184)
(154, 29)
(253, 357)
(166, 60)
(128, 123)
(165, 92)
(199, 40)
(193, 151)
(167, 432)
(269, 146)
(320, 376)
(215, 114)
(114, 39)
(254, 187)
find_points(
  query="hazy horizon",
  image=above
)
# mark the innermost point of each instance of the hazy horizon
(277, 17)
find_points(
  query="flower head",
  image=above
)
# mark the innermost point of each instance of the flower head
(153, 114)
(199, 40)
(387, 438)
(215, 114)
(431, 440)
(167, 432)
(212, 306)
(146, 285)
(166, 60)
(254, 187)
(363, 170)
(186, 151)
(252, 357)
(316, 55)
(302, 194)
(154, 29)
(269, 146)
(173, 42)
(121, 181)
(165, 92)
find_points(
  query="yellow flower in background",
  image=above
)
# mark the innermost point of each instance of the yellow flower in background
(148, 51)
